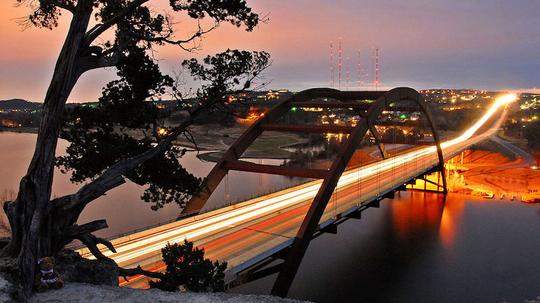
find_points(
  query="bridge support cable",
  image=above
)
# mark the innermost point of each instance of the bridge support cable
(439, 186)
(316, 210)
(369, 113)
(375, 133)
(301, 99)
(235, 151)
(436, 138)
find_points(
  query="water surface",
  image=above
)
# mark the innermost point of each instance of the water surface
(420, 248)
(122, 207)
(415, 248)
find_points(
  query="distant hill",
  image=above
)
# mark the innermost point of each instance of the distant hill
(19, 104)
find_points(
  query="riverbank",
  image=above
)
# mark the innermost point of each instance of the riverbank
(23, 130)
(488, 173)
(213, 140)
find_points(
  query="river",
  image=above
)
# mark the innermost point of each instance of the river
(417, 247)
(420, 248)
(122, 207)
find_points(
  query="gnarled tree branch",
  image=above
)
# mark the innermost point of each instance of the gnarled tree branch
(76, 231)
(92, 241)
(64, 5)
(168, 39)
(99, 29)
(125, 272)
(114, 175)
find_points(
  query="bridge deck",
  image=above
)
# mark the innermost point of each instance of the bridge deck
(247, 233)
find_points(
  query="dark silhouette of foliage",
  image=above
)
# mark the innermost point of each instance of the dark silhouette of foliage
(532, 133)
(123, 136)
(187, 268)
(99, 136)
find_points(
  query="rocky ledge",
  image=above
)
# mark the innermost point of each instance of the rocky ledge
(87, 293)
(91, 281)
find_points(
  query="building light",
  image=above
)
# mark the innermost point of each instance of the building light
(162, 132)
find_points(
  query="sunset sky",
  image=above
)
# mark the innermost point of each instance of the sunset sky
(487, 44)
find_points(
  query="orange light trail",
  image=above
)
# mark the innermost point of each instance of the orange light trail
(146, 246)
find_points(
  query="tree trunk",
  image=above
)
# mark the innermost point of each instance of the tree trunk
(31, 215)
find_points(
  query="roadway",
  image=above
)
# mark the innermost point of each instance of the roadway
(527, 159)
(249, 232)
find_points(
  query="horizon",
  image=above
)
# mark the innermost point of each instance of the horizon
(515, 91)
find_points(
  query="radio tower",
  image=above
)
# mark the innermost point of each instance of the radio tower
(359, 67)
(340, 53)
(332, 72)
(377, 69)
(347, 73)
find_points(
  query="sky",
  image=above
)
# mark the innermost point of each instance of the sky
(484, 44)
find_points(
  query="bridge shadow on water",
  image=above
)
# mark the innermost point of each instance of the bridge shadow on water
(368, 258)
(419, 248)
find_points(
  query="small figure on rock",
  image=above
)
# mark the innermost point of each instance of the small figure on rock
(47, 278)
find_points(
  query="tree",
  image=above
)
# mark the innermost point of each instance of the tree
(121, 34)
(532, 133)
(393, 135)
(187, 268)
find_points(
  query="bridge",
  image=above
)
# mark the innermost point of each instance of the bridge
(270, 234)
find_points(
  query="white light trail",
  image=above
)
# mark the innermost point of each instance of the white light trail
(207, 226)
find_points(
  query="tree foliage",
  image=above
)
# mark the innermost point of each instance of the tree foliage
(187, 268)
(99, 136)
(532, 133)
(123, 136)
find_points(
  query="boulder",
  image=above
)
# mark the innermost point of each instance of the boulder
(75, 268)
(6, 288)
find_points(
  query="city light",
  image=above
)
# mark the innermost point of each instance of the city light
(162, 131)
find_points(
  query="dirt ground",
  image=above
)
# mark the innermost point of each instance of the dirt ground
(215, 140)
(485, 172)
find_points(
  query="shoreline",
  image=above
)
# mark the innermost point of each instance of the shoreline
(20, 130)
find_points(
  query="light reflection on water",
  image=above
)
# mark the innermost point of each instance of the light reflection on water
(415, 248)
(419, 247)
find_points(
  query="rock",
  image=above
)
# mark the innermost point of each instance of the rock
(3, 240)
(75, 268)
(6, 289)
(8, 266)
(78, 293)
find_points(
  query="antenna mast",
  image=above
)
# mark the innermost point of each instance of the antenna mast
(377, 69)
(332, 72)
(340, 54)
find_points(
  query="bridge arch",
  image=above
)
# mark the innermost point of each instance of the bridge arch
(369, 112)
(382, 100)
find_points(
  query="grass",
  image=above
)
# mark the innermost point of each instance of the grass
(269, 145)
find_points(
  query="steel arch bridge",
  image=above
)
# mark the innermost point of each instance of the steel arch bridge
(398, 99)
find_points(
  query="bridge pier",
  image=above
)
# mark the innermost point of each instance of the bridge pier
(441, 185)
(355, 215)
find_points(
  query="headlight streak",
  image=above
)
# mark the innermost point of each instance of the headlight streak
(206, 226)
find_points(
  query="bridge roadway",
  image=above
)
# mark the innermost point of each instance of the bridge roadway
(249, 232)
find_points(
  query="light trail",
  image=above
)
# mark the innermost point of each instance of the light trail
(208, 225)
